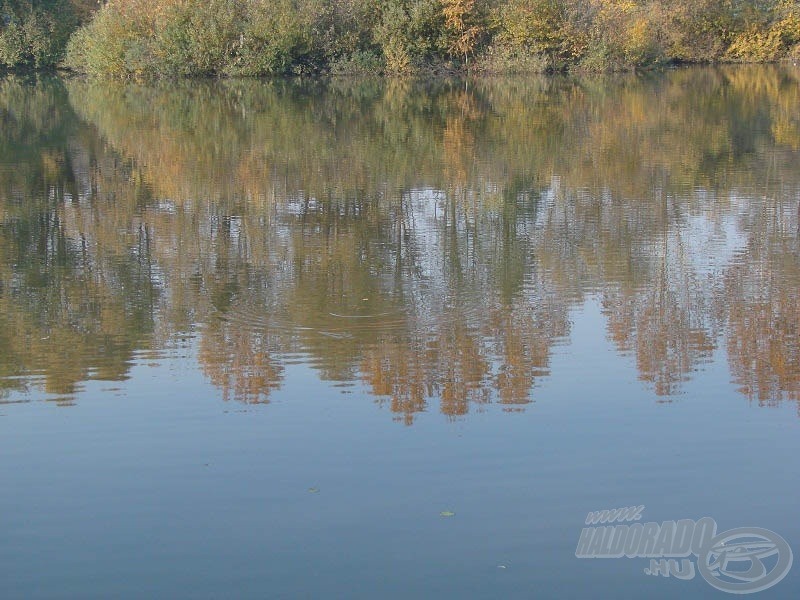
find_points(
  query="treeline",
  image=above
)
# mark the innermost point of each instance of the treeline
(174, 38)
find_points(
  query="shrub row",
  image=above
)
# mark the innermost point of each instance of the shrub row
(177, 38)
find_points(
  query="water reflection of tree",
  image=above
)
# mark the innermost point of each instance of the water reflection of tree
(70, 310)
(763, 308)
(427, 239)
(667, 323)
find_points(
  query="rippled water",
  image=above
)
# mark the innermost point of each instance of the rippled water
(393, 338)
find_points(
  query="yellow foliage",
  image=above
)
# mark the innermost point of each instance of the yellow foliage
(754, 45)
(398, 60)
(461, 20)
(639, 42)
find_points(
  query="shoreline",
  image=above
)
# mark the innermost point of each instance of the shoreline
(428, 72)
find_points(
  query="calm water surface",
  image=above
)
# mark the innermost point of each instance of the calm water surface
(393, 339)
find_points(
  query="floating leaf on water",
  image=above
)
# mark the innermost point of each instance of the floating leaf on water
(447, 513)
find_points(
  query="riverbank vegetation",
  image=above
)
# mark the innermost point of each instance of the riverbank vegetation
(179, 38)
(34, 33)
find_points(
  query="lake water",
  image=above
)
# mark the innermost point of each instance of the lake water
(396, 339)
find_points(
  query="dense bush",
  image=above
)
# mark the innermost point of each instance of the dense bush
(158, 38)
(33, 33)
(130, 38)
